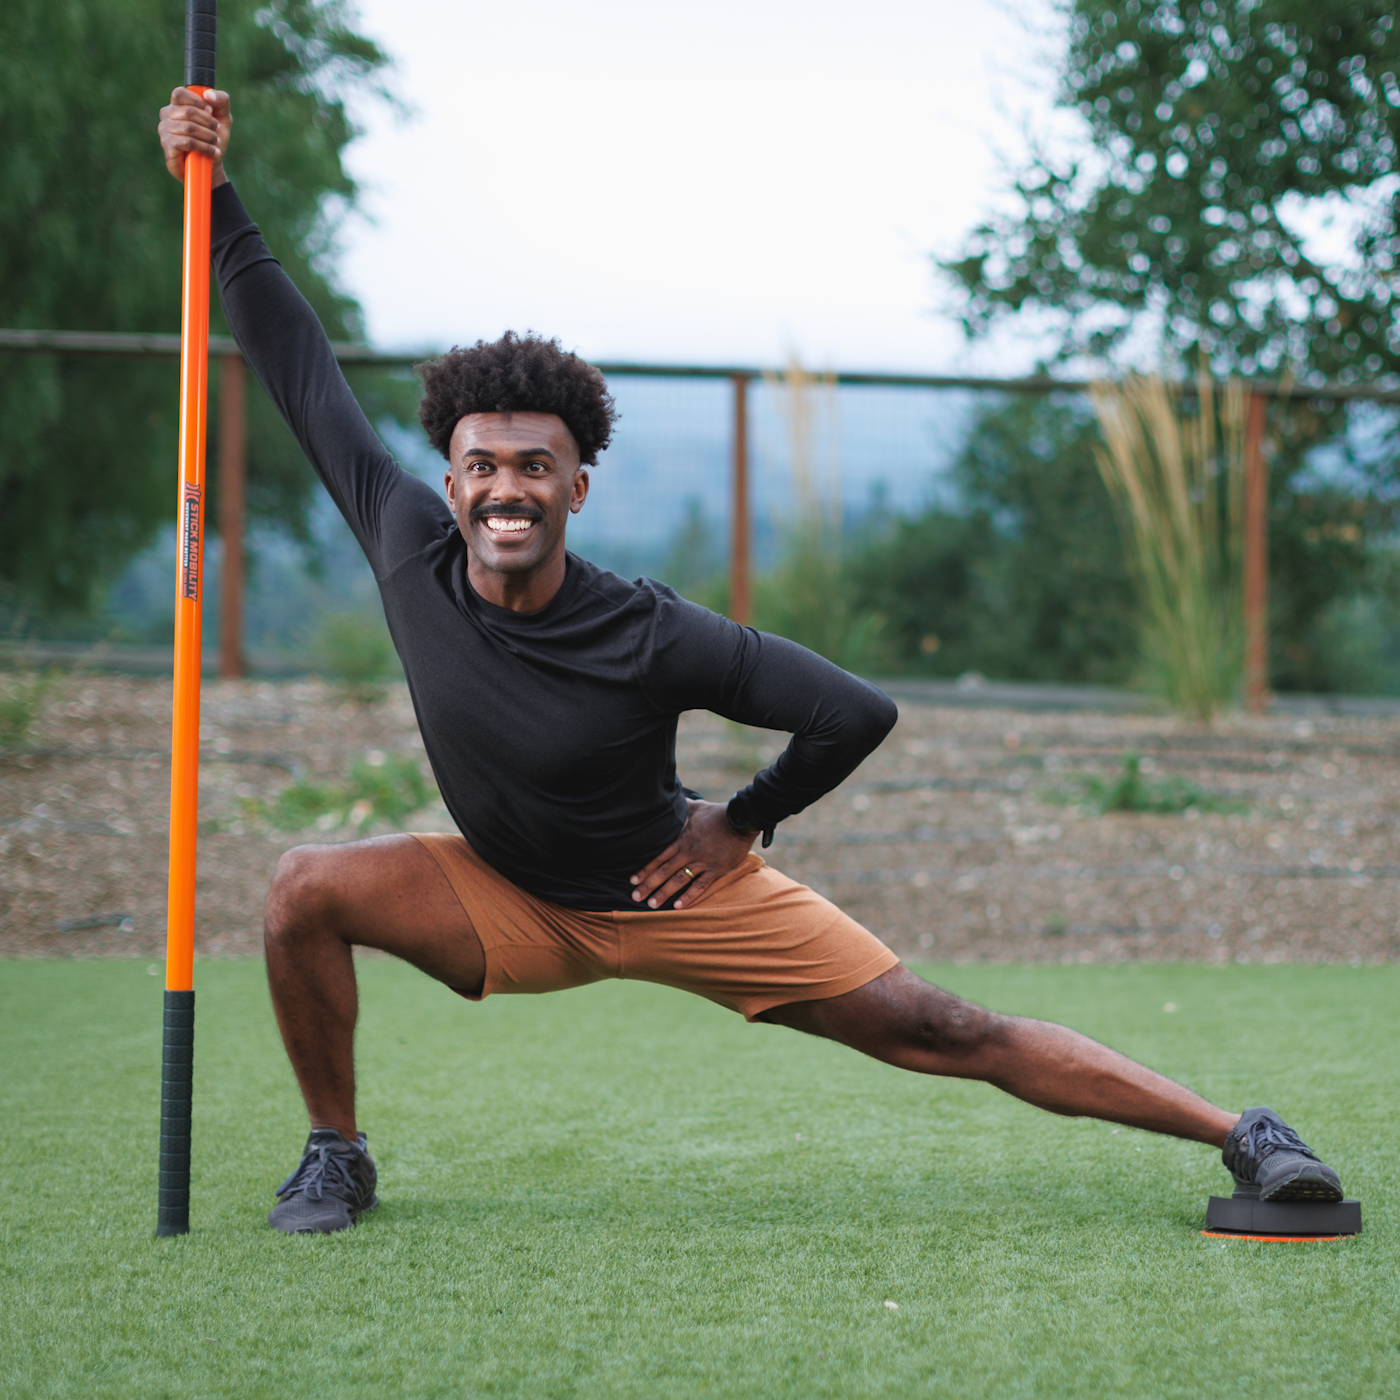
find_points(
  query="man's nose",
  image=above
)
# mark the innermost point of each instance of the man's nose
(506, 485)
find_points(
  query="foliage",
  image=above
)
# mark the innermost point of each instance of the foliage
(90, 230)
(1130, 791)
(22, 695)
(1217, 134)
(933, 578)
(1028, 580)
(1178, 482)
(1218, 130)
(806, 599)
(1029, 463)
(1331, 543)
(355, 648)
(381, 788)
(1354, 644)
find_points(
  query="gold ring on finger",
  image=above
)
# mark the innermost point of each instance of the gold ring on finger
(688, 873)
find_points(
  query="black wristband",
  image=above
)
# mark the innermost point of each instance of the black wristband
(742, 820)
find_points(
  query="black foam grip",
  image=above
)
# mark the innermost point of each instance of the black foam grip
(176, 1090)
(201, 20)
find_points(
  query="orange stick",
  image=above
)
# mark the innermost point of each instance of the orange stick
(177, 1052)
(189, 576)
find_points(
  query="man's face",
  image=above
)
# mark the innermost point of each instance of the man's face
(513, 481)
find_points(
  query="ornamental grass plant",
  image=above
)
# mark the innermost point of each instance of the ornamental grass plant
(1177, 480)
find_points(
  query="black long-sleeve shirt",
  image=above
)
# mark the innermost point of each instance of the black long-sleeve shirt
(552, 735)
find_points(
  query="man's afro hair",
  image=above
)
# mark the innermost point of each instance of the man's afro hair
(517, 374)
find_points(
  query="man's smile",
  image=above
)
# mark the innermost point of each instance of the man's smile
(506, 522)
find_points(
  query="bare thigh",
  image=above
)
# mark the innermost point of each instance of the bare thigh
(385, 893)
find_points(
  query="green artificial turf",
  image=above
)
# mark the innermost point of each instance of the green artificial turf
(626, 1192)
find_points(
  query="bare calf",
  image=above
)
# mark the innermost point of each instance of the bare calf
(385, 893)
(901, 1019)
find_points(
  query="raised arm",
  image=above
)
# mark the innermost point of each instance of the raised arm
(286, 346)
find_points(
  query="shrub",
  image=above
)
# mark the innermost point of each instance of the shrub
(1130, 791)
(355, 648)
(21, 700)
(807, 598)
(381, 788)
(1024, 578)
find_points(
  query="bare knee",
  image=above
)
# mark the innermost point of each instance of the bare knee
(903, 1020)
(300, 900)
(948, 1027)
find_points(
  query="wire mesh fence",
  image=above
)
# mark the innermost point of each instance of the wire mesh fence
(661, 499)
(866, 456)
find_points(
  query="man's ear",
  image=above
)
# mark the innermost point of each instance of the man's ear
(449, 482)
(578, 494)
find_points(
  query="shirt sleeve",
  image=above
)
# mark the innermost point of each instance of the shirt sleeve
(392, 513)
(699, 660)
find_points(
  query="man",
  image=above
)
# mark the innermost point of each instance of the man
(547, 692)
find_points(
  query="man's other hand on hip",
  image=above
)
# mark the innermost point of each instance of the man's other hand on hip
(707, 848)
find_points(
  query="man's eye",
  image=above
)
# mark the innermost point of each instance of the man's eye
(478, 466)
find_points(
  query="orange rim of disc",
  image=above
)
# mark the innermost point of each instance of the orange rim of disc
(1271, 1239)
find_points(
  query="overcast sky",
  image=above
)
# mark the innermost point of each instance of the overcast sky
(727, 183)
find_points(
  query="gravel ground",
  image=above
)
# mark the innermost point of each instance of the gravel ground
(949, 843)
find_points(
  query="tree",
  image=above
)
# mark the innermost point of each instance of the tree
(1215, 129)
(90, 240)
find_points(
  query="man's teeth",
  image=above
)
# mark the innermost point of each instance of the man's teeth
(507, 524)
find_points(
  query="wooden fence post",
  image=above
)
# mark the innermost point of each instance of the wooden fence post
(233, 471)
(739, 547)
(1256, 559)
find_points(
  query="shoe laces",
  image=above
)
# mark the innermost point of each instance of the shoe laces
(1266, 1136)
(318, 1169)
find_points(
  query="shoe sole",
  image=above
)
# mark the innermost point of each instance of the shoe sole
(1304, 1187)
(331, 1230)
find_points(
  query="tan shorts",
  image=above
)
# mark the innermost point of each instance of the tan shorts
(756, 940)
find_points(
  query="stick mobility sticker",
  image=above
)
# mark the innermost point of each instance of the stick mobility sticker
(189, 543)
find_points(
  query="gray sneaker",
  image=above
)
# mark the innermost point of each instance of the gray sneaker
(1270, 1162)
(331, 1188)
